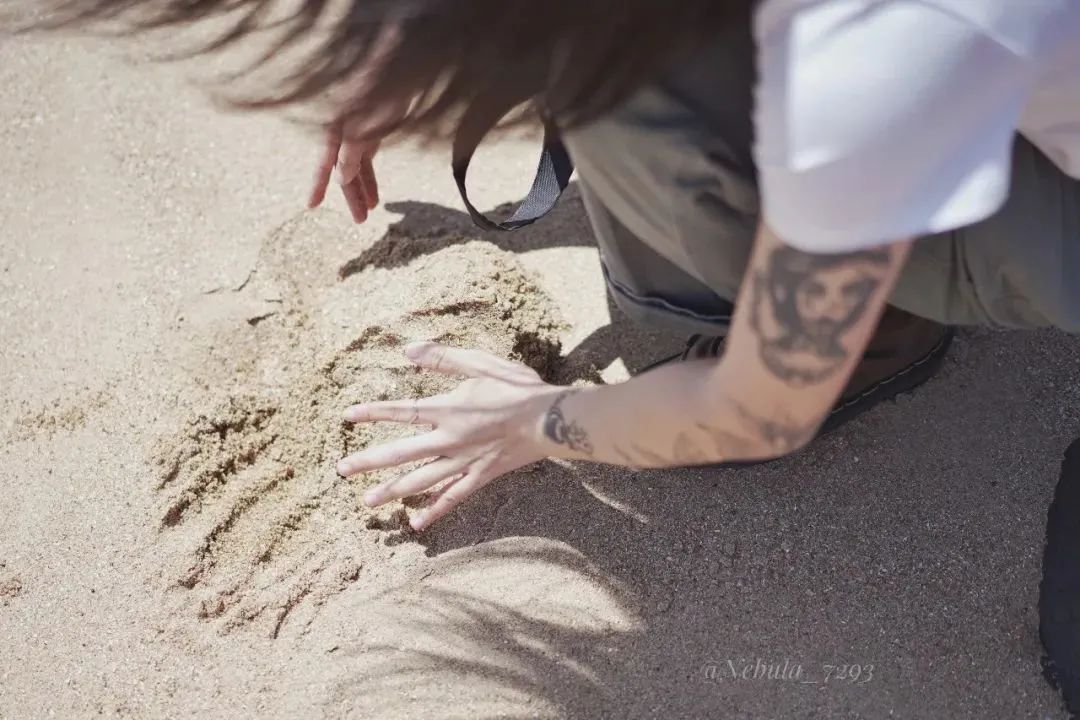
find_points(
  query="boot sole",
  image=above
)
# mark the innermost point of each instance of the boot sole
(1059, 591)
(888, 388)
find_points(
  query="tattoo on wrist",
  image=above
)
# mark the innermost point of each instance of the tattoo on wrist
(566, 432)
(803, 304)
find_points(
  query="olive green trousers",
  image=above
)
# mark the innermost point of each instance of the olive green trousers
(670, 187)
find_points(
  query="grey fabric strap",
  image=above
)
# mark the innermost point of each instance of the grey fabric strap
(552, 176)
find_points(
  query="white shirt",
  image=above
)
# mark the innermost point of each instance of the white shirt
(882, 120)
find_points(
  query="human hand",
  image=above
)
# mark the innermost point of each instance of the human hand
(486, 427)
(349, 162)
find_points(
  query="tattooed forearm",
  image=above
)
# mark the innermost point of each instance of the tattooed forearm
(629, 460)
(565, 432)
(687, 452)
(780, 435)
(755, 437)
(804, 304)
(727, 444)
(651, 459)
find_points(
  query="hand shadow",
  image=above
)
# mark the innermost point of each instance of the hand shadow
(425, 228)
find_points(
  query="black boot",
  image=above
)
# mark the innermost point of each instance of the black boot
(905, 351)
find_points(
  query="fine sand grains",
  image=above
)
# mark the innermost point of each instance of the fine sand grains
(256, 527)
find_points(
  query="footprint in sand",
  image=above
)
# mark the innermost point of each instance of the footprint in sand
(257, 529)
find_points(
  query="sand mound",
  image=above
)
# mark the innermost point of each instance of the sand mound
(255, 524)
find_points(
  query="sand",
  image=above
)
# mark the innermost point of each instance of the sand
(250, 480)
(179, 337)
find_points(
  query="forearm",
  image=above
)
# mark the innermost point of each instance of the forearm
(682, 414)
(800, 328)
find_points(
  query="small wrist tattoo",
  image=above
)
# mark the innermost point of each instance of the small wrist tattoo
(565, 432)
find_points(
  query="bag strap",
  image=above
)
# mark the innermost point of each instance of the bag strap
(552, 175)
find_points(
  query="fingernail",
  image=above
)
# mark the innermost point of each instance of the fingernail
(338, 177)
(343, 468)
(371, 499)
(352, 414)
(418, 520)
(414, 350)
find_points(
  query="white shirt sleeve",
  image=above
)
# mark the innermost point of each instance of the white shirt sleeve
(880, 120)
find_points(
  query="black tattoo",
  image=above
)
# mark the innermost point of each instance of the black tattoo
(803, 303)
(727, 444)
(781, 435)
(563, 431)
(686, 452)
(651, 459)
(755, 438)
(626, 457)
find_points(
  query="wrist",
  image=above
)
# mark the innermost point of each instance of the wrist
(555, 428)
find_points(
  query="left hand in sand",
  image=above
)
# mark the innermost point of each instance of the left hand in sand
(488, 426)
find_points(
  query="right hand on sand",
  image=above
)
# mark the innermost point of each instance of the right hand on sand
(489, 425)
(349, 164)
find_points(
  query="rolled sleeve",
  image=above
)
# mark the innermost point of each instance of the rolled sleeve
(880, 121)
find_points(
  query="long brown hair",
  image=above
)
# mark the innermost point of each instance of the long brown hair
(441, 58)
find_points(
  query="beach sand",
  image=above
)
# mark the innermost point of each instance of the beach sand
(179, 337)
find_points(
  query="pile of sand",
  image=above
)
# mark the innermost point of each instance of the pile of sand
(254, 520)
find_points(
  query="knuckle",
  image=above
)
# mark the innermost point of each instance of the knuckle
(438, 357)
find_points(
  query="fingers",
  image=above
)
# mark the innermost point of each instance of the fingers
(324, 169)
(412, 412)
(470, 363)
(356, 199)
(416, 481)
(356, 175)
(349, 163)
(450, 495)
(367, 178)
(349, 160)
(392, 454)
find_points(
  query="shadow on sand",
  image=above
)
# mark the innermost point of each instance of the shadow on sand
(895, 562)
(426, 228)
